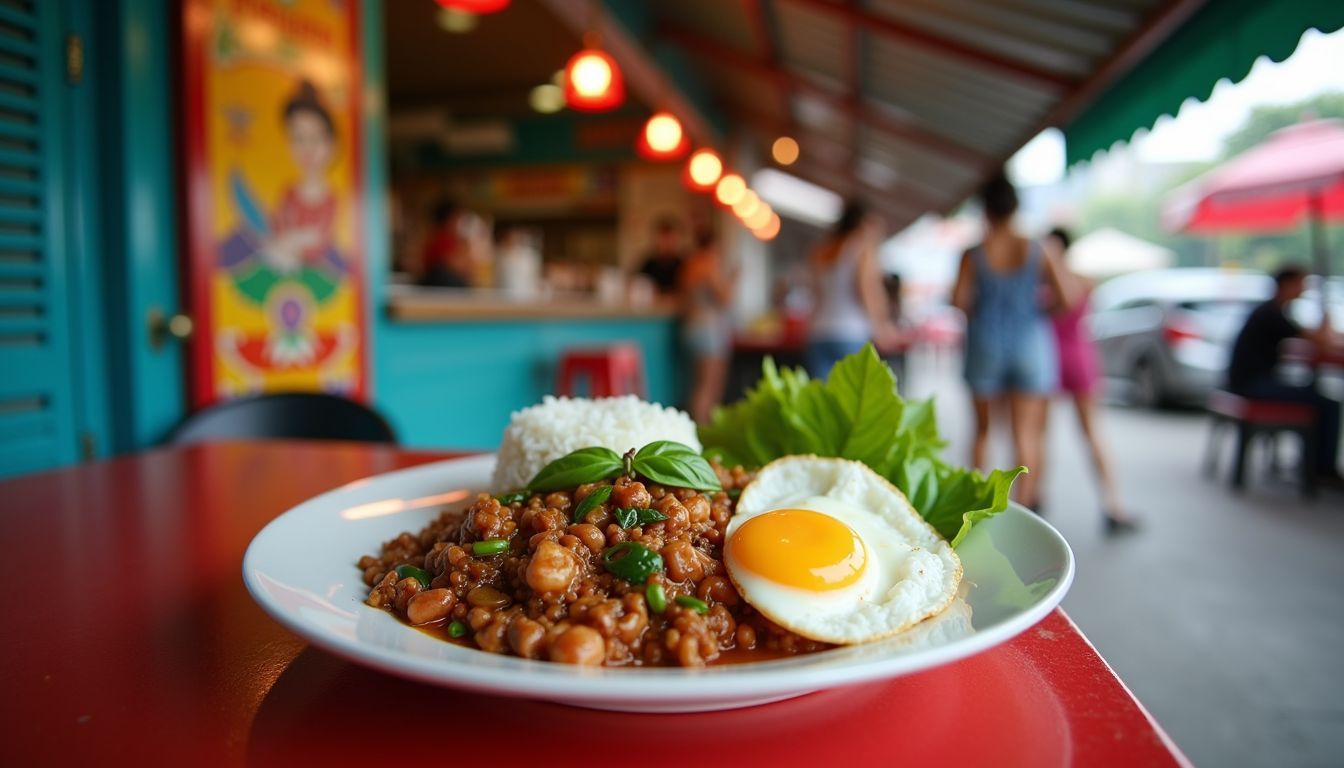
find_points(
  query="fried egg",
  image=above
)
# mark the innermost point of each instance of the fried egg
(831, 551)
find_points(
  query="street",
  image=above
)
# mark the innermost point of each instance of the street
(1223, 613)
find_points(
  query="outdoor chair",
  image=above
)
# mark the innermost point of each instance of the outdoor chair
(1260, 419)
(293, 415)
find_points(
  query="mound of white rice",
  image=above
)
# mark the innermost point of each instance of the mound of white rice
(541, 434)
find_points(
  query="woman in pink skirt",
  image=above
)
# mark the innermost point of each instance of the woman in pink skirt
(1079, 376)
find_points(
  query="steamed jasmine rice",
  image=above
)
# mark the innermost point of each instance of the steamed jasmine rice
(543, 433)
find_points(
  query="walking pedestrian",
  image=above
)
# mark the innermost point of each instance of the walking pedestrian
(1080, 376)
(849, 299)
(1010, 350)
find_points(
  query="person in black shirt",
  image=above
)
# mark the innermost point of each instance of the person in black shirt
(663, 264)
(1255, 356)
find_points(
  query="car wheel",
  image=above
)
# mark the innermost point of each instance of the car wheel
(1147, 391)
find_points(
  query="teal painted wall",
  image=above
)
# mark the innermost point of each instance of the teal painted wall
(442, 385)
(377, 217)
(454, 384)
(139, 205)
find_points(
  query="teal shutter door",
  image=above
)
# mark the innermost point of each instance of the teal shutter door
(37, 409)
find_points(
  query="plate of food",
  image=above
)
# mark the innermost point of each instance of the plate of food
(612, 555)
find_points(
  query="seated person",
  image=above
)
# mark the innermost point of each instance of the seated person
(446, 259)
(1255, 355)
(662, 265)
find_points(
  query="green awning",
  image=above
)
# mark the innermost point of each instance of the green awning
(1222, 40)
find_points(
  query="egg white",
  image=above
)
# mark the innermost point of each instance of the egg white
(911, 572)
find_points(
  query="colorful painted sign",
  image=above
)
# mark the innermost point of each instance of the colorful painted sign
(273, 193)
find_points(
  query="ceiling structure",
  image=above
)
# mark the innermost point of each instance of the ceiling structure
(910, 104)
(474, 74)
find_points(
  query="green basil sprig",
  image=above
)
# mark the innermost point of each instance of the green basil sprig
(517, 497)
(629, 518)
(597, 496)
(586, 465)
(668, 463)
(663, 462)
(632, 562)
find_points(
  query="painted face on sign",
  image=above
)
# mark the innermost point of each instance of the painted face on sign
(310, 142)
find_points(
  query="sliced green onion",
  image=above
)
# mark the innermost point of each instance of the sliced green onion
(694, 603)
(411, 572)
(657, 597)
(457, 629)
(632, 562)
(489, 547)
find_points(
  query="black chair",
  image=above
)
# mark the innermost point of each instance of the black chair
(295, 415)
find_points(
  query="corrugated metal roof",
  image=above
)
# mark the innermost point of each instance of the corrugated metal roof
(908, 103)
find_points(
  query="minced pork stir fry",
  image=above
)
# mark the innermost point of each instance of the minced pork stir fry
(616, 572)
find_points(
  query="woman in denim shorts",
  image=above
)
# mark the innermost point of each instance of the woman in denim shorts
(1010, 348)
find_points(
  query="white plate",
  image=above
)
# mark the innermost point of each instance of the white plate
(301, 569)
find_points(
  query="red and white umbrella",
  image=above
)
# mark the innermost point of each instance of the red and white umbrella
(1295, 174)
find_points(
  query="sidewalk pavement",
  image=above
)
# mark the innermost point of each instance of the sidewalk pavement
(1225, 612)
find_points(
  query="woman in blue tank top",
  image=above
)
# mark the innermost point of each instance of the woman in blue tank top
(1010, 349)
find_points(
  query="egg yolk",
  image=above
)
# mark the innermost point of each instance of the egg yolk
(800, 548)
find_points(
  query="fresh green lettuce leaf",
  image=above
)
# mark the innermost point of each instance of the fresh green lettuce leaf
(857, 414)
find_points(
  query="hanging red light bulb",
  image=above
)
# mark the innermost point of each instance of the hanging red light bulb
(703, 170)
(768, 230)
(478, 7)
(593, 82)
(730, 189)
(662, 138)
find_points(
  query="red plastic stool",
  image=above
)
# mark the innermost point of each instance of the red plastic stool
(1252, 418)
(614, 370)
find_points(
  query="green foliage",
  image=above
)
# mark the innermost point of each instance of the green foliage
(1267, 119)
(1139, 213)
(857, 414)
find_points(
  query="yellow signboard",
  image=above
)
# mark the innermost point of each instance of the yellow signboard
(273, 192)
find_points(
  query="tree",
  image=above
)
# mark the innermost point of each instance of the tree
(1267, 119)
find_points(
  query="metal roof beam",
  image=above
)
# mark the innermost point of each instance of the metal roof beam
(855, 66)
(844, 103)
(645, 77)
(941, 44)
(1139, 46)
(883, 201)
(1156, 29)
(823, 162)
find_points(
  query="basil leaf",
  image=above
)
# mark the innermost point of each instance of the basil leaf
(668, 463)
(512, 498)
(632, 562)
(625, 518)
(586, 465)
(649, 515)
(590, 502)
(629, 518)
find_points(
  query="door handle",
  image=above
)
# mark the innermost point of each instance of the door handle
(163, 327)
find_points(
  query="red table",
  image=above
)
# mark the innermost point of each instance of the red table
(130, 640)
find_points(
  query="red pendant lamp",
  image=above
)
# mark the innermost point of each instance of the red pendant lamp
(703, 170)
(478, 7)
(663, 138)
(593, 82)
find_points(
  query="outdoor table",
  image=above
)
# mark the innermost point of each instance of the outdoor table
(130, 640)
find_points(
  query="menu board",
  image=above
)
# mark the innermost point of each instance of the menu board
(275, 275)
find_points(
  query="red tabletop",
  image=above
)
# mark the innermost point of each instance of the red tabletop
(130, 640)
